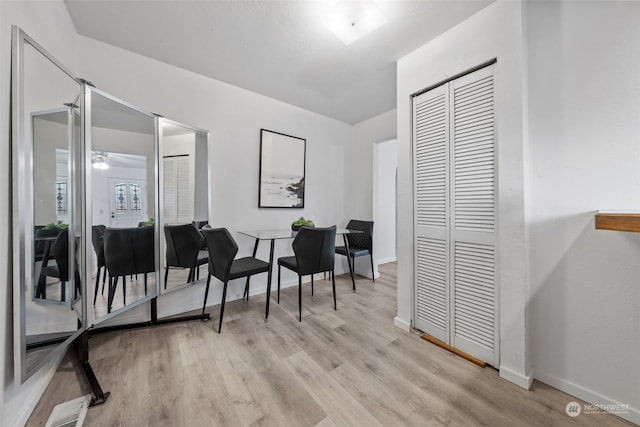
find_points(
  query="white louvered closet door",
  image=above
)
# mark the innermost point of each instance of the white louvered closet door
(431, 168)
(170, 208)
(178, 195)
(470, 289)
(184, 196)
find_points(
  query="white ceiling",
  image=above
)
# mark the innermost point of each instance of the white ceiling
(278, 48)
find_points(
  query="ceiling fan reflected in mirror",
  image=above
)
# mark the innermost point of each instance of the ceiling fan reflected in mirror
(102, 160)
(99, 161)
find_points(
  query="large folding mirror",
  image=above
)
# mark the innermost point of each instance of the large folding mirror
(121, 149)
(48, 292)
(90, 175)
(184, 201)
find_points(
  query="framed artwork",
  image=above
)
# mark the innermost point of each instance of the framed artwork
(282, 170)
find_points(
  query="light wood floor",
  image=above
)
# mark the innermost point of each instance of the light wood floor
(349, 367)
(135, 289)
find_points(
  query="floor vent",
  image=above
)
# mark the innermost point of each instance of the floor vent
(69, 414)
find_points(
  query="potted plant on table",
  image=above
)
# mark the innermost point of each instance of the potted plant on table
(301, 222)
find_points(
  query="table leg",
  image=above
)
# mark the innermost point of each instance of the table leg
(269, 274)
(346, 247)
(246, 286)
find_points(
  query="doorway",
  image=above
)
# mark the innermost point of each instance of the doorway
(385, 166)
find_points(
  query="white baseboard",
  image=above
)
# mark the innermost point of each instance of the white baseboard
(589, 396)
(517, 378)
(402, 324)
(387, 260)
(366, 274)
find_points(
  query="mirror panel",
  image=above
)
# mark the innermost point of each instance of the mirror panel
(184, 199)
(123, 183)
(46, 141)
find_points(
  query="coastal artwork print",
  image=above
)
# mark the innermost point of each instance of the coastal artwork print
(282, 168)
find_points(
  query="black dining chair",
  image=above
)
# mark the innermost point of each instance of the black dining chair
(314, 250)
(128, 251)
(60, 270)
(119, 259)
(200, 225)
(144, 252)
(42, 245)
(184, 250)
(97, 240)
(222, 265)
(360, 243)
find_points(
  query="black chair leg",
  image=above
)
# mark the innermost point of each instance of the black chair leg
(224, 297)
(104, 279)
(78, 290)
(109, 295)
(63, 291)
(312, 285)
(300, 297)
(206, 293)
(333, 282)
(198, 272)
(166, 276)
(113, 283)
(278, 283)
(353, 268)
(124, 290)
(246, 289)
(95, 293)
(373, 276)
(145, 284)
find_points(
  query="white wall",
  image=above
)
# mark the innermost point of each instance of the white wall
(385, 165)
(234, 116)
(584, 120)
(494, 32)
(359, 164)
(49, 23)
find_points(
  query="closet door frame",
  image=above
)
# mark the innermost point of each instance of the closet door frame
(426, 236)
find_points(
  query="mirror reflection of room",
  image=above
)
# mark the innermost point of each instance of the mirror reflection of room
(184, 178)
(122, 205)
(52, 288)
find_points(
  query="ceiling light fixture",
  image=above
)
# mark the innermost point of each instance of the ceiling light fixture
(352, 19)
(100, 164)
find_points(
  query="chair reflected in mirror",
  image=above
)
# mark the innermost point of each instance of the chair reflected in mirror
(97, 240)
(43, 239)
(185, 249)
(128, 251)
(59, 270)
(314, 250)
(223, 265)
(200, 225)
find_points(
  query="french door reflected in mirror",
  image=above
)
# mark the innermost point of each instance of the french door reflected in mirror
(121, 144)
